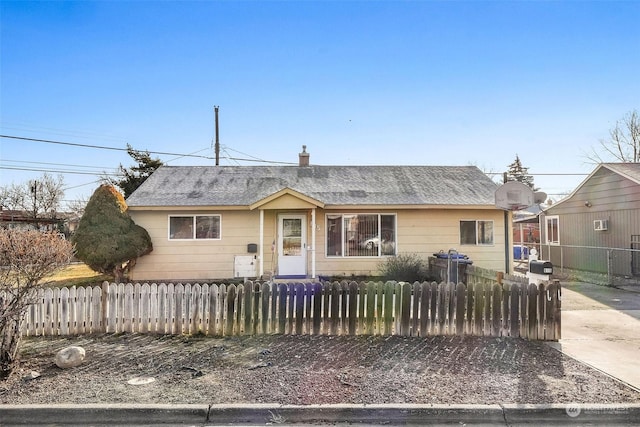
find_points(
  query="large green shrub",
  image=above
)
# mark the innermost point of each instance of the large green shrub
(107, 239)
(404, 268)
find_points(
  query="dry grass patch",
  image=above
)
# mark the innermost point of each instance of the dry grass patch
(77, 274)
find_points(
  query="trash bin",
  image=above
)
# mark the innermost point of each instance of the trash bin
(520, 252)
(458, 268)
(456, 265)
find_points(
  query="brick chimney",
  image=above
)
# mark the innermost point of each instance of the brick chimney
(303, 157)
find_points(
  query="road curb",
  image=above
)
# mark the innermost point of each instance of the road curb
(569, 413)
(390, 414)
(261, 414)
(103, 414)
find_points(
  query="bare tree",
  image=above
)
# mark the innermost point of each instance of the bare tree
(623, 144)
(40, 198)
(26, 258)
(77, 206)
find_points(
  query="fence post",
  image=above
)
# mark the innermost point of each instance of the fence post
(479, 291)
(317, 308)
(415, 313)
(282, 308)
(514, 316)
(460, 306)
(344, 308)
(542, 305)
(370, 310)
(266, 295)
(389, 289)
(353, 307)
(299, 308)
(471, 295)
(442, 289)
(424, 309)
(532, 312)
(249, 294)
(403, 298)
(524, 320)
(609, 274)
(496, 310)
(557, 309)
(104, 298)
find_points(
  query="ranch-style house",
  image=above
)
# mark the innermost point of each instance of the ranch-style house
(218, 222)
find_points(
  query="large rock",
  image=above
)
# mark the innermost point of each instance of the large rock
(69, 357)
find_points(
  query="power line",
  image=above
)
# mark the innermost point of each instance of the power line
(542, 174)
(240, 152)
(73, 144)
(62, 132)
(102, 147)
(61, 171)
(51, 164)
(82, 185)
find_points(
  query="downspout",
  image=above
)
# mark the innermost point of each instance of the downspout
(261, 243)
(313, 243)
(507, 270)
(507, 229)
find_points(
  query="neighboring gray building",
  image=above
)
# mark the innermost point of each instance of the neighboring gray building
(596, 225)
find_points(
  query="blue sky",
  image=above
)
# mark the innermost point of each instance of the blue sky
(359, 83)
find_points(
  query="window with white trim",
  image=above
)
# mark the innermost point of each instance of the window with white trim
(552, 230)
(353, 235)
(476, 232)
(194, 227)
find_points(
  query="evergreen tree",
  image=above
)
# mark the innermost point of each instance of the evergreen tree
(107, 239)
(133, 177)
(519, 173)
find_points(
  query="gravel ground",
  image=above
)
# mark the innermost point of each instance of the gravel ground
(307, 370)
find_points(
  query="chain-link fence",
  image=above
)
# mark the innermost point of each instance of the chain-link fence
(601, 265)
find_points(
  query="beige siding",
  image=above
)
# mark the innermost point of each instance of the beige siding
(419, 231)
(423, 232)
(194, 259)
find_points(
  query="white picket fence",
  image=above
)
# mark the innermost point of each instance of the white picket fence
(372, 308)
(113, 308)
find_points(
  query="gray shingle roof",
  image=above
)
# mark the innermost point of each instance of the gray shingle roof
(628, 170)
(332, 185)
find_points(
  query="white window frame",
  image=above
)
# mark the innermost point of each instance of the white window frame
(547, 221)
(343, 252)
(193, 227)
(477, 221)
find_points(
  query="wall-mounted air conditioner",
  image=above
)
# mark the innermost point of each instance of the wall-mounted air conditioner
(601, 224)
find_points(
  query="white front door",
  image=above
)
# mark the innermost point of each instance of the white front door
(292, 245)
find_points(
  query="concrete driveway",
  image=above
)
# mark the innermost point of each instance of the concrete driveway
(601, 327)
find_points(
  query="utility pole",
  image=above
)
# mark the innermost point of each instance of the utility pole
(34, 191)
(217, 146)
